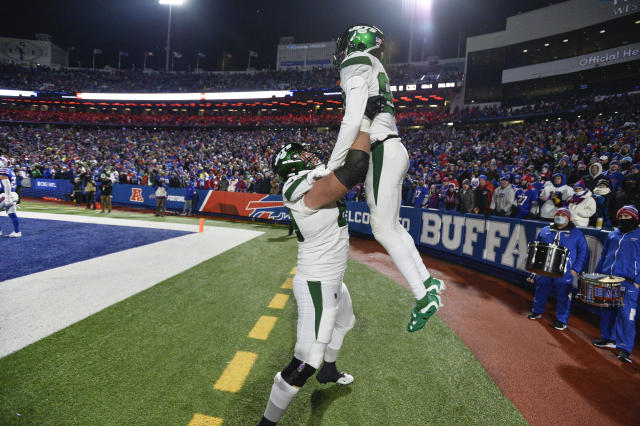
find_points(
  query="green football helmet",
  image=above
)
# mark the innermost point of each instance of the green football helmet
(359, 38)
(293, 158)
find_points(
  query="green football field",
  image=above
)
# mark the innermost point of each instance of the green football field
(155, 358)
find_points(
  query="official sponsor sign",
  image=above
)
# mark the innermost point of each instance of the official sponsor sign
(602, 58)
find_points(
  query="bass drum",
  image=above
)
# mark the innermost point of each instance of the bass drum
(547, 259)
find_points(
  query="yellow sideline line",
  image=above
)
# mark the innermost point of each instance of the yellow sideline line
(278, 301)
(202, 420)
(288, 283)
(294, 270)
(236, 373)
(263, 328)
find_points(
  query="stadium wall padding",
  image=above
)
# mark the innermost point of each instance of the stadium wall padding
(495, 243)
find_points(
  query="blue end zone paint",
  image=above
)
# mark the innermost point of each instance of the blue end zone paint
(47, 244)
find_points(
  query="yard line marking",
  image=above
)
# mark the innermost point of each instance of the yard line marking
(202, 420)
(278, 301)
(263, 327)
(294, 270)
(288, 283)
(235, 374)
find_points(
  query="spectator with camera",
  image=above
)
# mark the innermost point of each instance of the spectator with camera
(106, 189)
(90, 192)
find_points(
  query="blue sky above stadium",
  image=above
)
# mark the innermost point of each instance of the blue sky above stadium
(216, 26)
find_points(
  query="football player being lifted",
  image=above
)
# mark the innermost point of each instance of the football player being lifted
(368, 146)
(8, 196)
(325, 314)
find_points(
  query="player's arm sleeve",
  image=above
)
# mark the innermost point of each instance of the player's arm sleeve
(356, 94)
(294, 190)
(6, 184)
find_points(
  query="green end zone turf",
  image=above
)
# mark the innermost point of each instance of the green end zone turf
(153, 358)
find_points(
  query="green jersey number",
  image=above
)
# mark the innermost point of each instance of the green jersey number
(342, 213)
(385, 92)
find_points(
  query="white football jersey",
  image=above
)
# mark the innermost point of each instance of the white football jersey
(323, 236)
(372, 71)
(362, 76)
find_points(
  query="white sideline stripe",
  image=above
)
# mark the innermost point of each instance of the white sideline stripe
(204, 203)
(106, 220)
(38, 305)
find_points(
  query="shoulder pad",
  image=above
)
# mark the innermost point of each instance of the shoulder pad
(295, 187)
(358, 58)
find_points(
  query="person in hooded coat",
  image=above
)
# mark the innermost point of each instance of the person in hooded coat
(582, 205)
(602, 195)
(594, 175)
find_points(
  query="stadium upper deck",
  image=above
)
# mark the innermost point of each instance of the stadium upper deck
(567, 46)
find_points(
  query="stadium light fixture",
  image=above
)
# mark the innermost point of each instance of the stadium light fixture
(525, 50)
(171, 3)
(602, 31)
(546, 45)
(565, 40)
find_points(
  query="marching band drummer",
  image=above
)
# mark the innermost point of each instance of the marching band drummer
(621, 257)
(573, 239)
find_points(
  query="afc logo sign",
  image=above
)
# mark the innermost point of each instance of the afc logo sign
(136, 195)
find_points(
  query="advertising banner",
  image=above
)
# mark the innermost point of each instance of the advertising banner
(144, 196)
(50, 188)
(257, 206)
(628, 52)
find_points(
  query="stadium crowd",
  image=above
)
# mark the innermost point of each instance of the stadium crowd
(111, 80)
(590, 164)
(217, 119)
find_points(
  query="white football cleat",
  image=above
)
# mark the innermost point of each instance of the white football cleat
(15, 235)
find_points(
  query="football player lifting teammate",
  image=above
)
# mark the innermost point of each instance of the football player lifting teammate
(325, 314)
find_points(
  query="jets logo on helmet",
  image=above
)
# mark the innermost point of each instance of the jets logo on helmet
(292, 158)
(359, 38)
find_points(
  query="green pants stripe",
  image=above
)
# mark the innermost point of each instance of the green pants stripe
(377, 155)
(315, 289)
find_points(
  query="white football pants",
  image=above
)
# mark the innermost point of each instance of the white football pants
(325, 315)
(388, 166)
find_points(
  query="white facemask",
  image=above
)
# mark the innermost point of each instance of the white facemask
(560, 220)
(602, 190)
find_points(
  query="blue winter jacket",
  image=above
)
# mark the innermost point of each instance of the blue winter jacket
(621, 255)
(571, 238)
